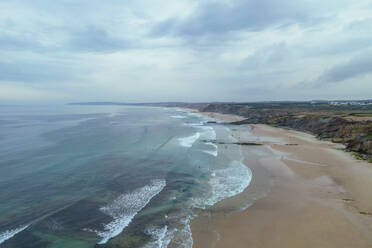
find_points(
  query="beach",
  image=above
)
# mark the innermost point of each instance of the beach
(171, 177)
(304, 193)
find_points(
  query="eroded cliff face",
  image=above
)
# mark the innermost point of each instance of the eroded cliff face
(355, 135)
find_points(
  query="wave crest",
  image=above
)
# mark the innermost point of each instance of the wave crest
(125, 207)
(8, 234)
(189, 141)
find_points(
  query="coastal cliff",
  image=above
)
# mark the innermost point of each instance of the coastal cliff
(339, 126)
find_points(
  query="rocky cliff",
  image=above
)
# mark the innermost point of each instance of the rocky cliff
(356, 135)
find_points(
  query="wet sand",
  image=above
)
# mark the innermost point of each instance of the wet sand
(304, 193)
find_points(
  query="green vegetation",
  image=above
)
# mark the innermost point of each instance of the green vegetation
(357, 156)
(311, 106)
(366, 114)
(369, 135)
(365, 213)
(339, 123)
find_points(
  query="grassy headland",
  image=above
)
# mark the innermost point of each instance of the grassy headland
(349, 124)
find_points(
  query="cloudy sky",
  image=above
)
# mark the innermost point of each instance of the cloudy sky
(185, 50)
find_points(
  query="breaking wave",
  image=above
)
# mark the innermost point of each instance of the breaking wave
(225, 183)
(194, 114)
(213, 152)
(189, 141)
(208, 132)
(8, 234)
(125, 207)
(186, 233)
(162, 237)
(178, 116)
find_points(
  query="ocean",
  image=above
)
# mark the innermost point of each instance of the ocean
(111, 176)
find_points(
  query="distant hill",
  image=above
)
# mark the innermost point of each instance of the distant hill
(129, 104)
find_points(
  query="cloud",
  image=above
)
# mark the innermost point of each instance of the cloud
(62, 26)
(213, 18)
(355, 67)
(38, 71)
(267, 56)
(11, 43)
(9, 92)
(89, 38)
(94, 39)
(184, 50)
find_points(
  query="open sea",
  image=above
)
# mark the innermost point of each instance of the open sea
(110, 176)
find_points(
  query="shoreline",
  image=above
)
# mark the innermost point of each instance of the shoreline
(305, 193)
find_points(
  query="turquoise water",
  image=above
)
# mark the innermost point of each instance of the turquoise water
(110, 176)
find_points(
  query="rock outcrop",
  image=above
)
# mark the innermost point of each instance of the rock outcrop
(355, 135)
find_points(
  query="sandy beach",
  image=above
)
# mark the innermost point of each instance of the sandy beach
(304, 193)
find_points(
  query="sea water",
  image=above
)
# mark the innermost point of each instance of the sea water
(110, 176)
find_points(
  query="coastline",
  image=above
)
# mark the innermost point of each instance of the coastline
(305, 193)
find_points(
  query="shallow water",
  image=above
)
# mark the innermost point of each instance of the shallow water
(78, 176)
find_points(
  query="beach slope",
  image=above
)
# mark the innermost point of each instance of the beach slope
(317, 196)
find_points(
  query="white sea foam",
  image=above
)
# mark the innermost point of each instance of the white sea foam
(8, 234)
(212, 152)
(195, 114)
(225, 183)
(189, 141)
(162, 237)
(113, 114)
(186, 233)
(125, 207)
(180, 110)
(178, 116)
(194, 124)
(208, 133)
(182, 235)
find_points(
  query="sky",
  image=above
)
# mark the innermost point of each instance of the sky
(184, 50)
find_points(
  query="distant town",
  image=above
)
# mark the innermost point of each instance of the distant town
(344, 102)
(361, 103)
